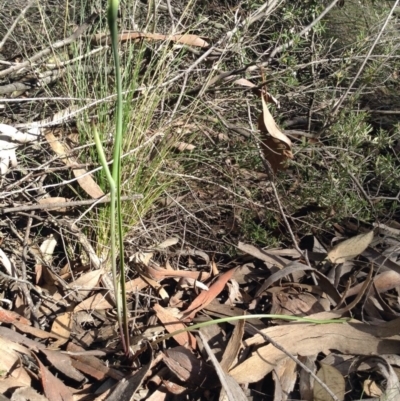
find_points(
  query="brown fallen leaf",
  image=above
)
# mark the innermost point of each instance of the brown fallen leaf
(383, 282)
(135, 285)
(84, 179)
(233, 347)
(285, 376)
(10, 358)
(27, 394)
(334, 381)
(52, 201)
(91, 365)
(36, 332)
(53, 387)
(276, 146)
(190, 40)
(205, 297)
(188, 368)
(62, 328)
(12, 335)
(306, 381)
(171, 324)
(309, 339)
(350, 248)
(95, 302)
(7, 383)
(266, 256)
(62, 362)
(7, 316)
(158, 273)
(289, 302)
(85, 283)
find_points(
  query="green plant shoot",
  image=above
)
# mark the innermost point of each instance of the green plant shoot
(114, 179)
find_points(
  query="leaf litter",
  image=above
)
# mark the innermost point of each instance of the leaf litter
(241, 357)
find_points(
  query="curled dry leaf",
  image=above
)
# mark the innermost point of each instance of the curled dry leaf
(382, 282)
(377, 363)
(350, 248)
(205, 297)
(371, 388)
(276, 146)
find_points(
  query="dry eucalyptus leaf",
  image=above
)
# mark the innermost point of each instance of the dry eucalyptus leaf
(350, 248)
(52, 201)
(188, 39)
(84, 179)
(95, 302)
(10, 358)
(310, 339)
(276, 146)
(285, 377)
(85, 283)
(62, 328)
(183, 146)
(334, 381)
(167, 243)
